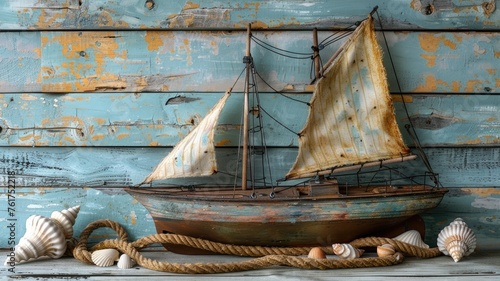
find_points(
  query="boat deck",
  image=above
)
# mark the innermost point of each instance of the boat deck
(307, 191)
(484, 264)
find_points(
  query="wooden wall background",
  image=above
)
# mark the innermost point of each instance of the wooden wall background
(91, 93)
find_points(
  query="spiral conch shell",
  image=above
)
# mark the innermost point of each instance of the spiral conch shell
(457, 240)
(45, 236)
(347, 251)
(412, 237)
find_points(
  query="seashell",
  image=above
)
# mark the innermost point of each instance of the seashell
(105, 257)
(412, 237)
(45, 237)
(457, 240)
(385, 250)
(125, 262)
(347, 251)
(316, 253)
(66, 218)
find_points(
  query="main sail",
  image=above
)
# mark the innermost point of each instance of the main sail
(351, 118)
(194, 155)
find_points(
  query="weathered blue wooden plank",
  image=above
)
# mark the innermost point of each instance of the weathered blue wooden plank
(20, 61)
(200, 14)
(149, 119)
(94, 204)
(119, 167)
(162, 119)
(477, 206)
(212, 61)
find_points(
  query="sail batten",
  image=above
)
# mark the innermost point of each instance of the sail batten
(194, 155)
(351, 118)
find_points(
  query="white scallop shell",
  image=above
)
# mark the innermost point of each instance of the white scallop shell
(45, 237)
(412, 237)
(105, 257)
(125, 262)
(457, 240)
(385, 250)
(66, 218)
(347, 251)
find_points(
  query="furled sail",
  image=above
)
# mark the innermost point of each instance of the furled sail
(194, 155)
(351, 118)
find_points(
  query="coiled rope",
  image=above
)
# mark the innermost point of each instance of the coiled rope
(264, 256)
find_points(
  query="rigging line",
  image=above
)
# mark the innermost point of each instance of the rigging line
(276, 91)
(282, 50)
(278, 53)
(276, 120)
(348, 29)
(346, 34)
(262, 135)
(419, 147)
(237, 79)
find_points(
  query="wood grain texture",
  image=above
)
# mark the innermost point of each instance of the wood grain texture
(483, 264)
(162, 119)
(20, 61)
(94, 93)
(122, 167)
(161, 61)
(199, 14)
(477, 206)
(212, 61)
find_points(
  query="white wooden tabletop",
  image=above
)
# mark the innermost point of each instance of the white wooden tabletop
(481, 264)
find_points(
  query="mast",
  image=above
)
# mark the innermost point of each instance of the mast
(317, 73)
(248, 60)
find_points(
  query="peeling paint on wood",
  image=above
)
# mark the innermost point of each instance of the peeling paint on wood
(100, 205)
(120, 167)
(87, 88)
(154, 119)
(94, 203)
(198, 14)
(185, 61)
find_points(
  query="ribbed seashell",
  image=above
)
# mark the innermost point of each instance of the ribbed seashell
(105, 257)
(316, 253)
(347, 251)
(412, 237)
(125, 262)
(385, 250)
(45, 236)
(457, 240)
(66, 218)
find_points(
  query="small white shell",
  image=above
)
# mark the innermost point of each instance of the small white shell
(316, 253)
(412, 237)
(45, 236)
(385, 250)
(457, 240)
(125, 262)
(347, 251)
(105, 257)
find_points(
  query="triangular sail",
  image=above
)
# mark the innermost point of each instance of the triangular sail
(351, 119)
(194, 155)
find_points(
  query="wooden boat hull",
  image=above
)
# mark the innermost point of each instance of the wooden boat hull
(282, 222)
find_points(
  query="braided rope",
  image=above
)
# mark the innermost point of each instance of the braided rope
(265, 256)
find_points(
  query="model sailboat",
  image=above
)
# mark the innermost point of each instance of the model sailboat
(350, 125)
